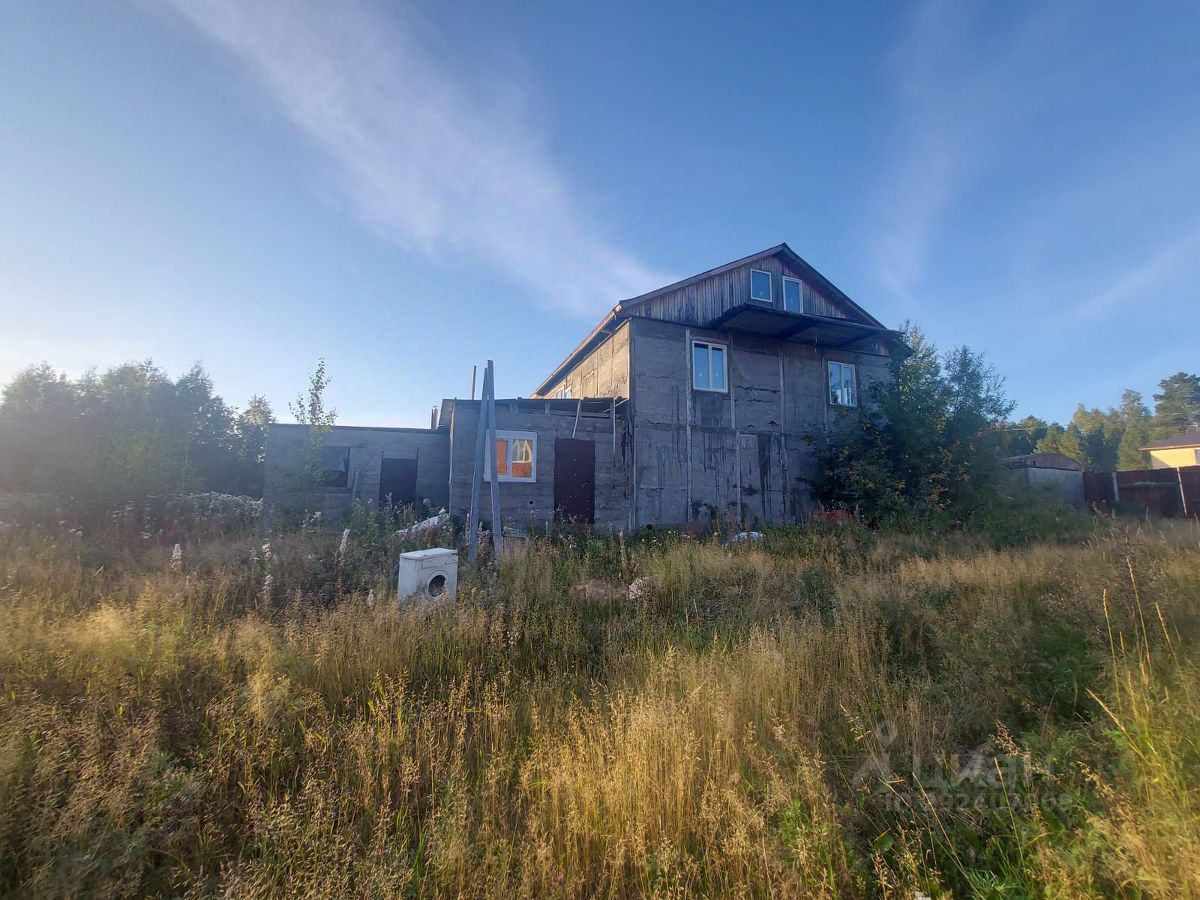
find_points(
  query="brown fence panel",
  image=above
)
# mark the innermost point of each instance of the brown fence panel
(1160, 492)
(1155, 490)
(1098, 488)
(1189, 481)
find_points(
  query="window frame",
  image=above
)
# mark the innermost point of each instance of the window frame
(853, 367)
(509, 437)
(800, 286)
(724, 365)
(770, 287)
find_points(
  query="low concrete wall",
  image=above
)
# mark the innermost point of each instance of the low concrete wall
(1063, 484)
(287, 444)
(525, 503)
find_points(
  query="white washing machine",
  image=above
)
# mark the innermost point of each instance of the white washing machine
(426, 575)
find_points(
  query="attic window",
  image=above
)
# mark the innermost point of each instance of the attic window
(793, 295)
(516, 456)
(564, 393)
(760, 285)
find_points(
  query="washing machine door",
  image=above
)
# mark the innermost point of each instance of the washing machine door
(435, 585)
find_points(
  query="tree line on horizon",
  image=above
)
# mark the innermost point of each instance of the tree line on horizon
(129, 433)
(1110, 440)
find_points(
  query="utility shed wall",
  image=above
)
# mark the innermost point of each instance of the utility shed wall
(287, 445)
(602, 373)
(740, 454)
(523, 502)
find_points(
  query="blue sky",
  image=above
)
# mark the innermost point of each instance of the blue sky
(408, 189)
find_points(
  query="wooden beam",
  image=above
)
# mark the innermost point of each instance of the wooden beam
(497, 527)
(476, 485)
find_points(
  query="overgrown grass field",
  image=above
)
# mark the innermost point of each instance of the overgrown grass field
(830, 712)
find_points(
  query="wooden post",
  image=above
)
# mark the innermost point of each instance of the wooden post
(489, 386)
(1116, 491)
(476, 482)
(1182, 494)
(578, 410)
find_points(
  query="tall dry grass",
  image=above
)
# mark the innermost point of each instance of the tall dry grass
(829, 713)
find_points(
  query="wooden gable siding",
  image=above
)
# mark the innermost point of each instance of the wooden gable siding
(704, 301)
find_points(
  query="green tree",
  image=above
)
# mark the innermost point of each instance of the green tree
(250, 428)
(123, 435)
(1067, 441)
(311, 409)
(928, 442)
(1176, 406)
(1135, 418)
(1020, 438)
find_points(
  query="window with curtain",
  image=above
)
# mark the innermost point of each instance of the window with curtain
(516, 456)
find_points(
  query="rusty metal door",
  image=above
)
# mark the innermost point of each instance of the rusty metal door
(574, 481)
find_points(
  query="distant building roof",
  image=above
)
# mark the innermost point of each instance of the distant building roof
(1187, 439)
(1044, 461)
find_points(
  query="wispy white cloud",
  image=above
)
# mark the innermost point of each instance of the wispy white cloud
(439, 162)
(1141, 283)
(963, 88)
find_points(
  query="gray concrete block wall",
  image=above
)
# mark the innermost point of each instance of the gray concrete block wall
(742, 454)
(287, 445)
(523, 503)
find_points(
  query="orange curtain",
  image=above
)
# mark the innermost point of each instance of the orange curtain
(501, 457)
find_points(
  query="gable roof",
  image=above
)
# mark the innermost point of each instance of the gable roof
(1180, 441)
(794, 259)
(627, 308)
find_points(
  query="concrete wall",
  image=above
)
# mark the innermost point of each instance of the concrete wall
(1064, 484)
(740, 454)
(1175, 458)
(525, 502)
(287, 444)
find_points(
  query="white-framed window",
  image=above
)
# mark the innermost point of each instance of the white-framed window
(709, 370)
(1198, 456)
(760, 285)
(564, 393)
(515, 457)
(842, 388)
(793, 295)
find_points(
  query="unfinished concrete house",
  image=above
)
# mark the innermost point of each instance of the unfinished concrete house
(691, 402)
